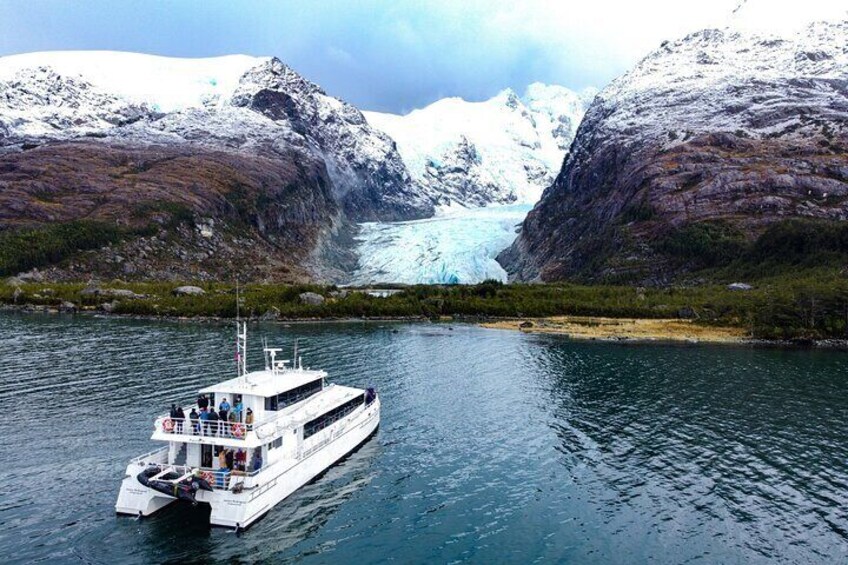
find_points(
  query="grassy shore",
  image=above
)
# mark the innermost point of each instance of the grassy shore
(812, 305)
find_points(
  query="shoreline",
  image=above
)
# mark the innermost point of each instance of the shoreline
(625, 329)
(578, 328)
(647, 331)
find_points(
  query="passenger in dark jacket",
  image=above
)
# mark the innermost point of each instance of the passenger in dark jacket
(229, 458)
(180, 418)
(202, 402)
(213, 421)
(193, 418)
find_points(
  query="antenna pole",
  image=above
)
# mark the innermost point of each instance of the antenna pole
(241, 339)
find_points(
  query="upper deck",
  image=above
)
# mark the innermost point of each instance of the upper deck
(230, 413)
(265, 383)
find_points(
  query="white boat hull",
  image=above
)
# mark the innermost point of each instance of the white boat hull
(268, 488)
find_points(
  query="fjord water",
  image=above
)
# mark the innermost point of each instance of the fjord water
(494, 447)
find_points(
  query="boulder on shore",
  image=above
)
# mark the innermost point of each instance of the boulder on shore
(188, 291)
(311, 298)
(272, 313)
(739, 286)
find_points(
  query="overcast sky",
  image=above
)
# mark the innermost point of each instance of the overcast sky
(389, 55)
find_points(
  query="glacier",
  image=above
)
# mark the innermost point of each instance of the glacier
(456, 246)
(484, 165)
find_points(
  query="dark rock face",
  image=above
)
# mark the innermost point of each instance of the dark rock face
(197, 215)
(719, 126)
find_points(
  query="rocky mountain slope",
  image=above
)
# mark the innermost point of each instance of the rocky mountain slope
(723, 132)
(503, 150)
(243, 143)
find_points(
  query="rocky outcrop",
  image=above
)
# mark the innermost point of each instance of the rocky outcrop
(459, 177)
(369, 177)
(721, 126)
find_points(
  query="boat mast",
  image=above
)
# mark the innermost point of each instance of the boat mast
(241, 339)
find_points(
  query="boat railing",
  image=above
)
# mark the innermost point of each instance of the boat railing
(222, 479)
(198, 427)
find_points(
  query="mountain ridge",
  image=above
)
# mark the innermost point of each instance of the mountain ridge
(724, 127)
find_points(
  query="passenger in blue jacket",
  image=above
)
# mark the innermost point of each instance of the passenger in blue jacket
(224, 411)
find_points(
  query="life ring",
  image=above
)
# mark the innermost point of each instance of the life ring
(238, 430)
(168, 425)
(208, 477)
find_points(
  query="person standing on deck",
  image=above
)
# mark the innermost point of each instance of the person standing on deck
(204, 421)
(193, 418)
(180, 419)
(223, 414)
(213, 422)
(202, 402)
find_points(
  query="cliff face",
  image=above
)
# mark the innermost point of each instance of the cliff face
(721, 127)
(243, 143)
(187, 213)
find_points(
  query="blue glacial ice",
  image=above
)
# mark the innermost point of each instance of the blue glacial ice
(454, 247)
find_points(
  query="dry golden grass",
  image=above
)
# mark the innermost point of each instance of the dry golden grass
(579, 327)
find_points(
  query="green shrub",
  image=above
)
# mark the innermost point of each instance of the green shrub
(21, 250)
(705, 244)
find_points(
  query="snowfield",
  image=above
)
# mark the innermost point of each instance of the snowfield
(507, 149)
(165, 84)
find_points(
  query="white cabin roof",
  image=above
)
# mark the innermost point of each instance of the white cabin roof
(265, 383)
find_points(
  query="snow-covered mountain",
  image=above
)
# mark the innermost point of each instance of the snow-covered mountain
(503, 150)
(743, 127)
(223, 137)
(233, 103)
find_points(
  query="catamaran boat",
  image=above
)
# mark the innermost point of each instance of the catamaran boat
(288, 426)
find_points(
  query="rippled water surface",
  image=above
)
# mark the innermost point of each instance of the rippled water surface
(494, 447)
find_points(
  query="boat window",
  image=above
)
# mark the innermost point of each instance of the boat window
(314, 426)
(293, 396)
(276, 443)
